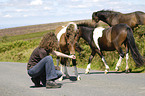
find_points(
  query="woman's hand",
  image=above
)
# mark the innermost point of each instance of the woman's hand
(63, 55)
(72, 56)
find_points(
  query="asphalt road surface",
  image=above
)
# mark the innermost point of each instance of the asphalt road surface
(14, 81)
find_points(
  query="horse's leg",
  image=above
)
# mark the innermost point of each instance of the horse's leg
(105, 63)
(63, 63)
(65, 68)
(127, 67)
(57, 61)
(68, 62)
(127, 57)
(121, 54)
(89, 63)
(75, 68)
(118, 64)
(61, 69)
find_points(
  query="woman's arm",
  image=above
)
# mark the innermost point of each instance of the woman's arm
(63, 55)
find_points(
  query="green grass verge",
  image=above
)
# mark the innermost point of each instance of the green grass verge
(19, 49)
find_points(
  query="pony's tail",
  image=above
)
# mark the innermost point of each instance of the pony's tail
(134, 50)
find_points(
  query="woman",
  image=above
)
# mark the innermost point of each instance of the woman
(41, 67)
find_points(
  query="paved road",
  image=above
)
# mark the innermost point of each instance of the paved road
(14, 81)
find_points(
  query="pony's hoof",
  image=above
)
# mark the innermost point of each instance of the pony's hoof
(116, 69)
(60, 79)
(106, 71)
(67, 76)
(87, 72)
(128, 70)
(78, 78)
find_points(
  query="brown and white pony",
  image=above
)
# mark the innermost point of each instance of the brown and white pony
(109, 39)
(67, 44)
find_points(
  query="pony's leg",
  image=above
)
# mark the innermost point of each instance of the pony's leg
(106, 66)
(57, 61)
(76, 73)
(65, 71)
(127, 57)
(121, 54)
(68, 62)
(65, 68)
(127, 67)
(88, 68)
(63, 63)
(75, 68)
(89, 63)
(104, 61)
(118, 64)
(61, 69)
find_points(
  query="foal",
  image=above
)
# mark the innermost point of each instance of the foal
(67, 45)
(110, 39)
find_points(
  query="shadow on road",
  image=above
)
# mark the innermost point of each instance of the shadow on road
(114, 72)
(72, 78)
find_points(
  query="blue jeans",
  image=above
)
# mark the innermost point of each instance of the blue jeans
(45, 67)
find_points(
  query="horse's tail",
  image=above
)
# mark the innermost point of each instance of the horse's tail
(134, 50)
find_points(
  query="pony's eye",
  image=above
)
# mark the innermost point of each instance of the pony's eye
(67, 43)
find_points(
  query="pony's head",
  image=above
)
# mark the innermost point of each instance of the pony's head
(95, 17)
(103, 15)
(99, 15)
(70, 37)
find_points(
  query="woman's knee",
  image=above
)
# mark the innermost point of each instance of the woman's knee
(49, 57)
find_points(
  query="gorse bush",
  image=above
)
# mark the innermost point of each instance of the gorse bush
(17, 51)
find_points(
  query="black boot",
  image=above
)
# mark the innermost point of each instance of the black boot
(52, 84)
(36, 81)
(43, 80)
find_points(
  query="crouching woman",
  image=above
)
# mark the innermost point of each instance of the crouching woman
(41, 67)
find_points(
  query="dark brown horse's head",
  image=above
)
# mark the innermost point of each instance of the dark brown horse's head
(95, 17)
(104, 15)
(100, 15)
(71, 42)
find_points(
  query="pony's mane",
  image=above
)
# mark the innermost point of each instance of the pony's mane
(86, 24)
(107, 12)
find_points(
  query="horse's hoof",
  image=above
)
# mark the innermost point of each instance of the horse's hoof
(116, 69)
(128, 70)
(67, 76)
(106, 71)
(86, 72)
(60, 79)
(78, 78)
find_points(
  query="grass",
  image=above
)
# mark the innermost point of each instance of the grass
(19, 48)
(29, 36)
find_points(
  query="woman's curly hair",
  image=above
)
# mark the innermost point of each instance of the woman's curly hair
(49, 42)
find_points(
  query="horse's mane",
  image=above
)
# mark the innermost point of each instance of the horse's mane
(86, 24)
(108, 12)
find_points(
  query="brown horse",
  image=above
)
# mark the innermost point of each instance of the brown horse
(110, 39)
(112, 18)
(67, 45)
